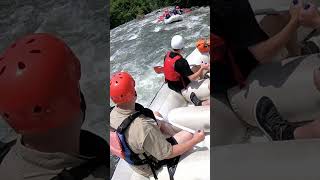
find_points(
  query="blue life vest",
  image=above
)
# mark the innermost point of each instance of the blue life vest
(133, 158)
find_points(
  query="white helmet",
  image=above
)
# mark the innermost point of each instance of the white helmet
(177, 42)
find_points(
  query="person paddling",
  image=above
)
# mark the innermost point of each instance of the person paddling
(138, 137)
(180, 77)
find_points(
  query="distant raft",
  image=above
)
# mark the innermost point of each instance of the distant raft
(173, 18)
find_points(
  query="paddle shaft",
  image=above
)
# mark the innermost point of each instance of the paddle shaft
(271, 11)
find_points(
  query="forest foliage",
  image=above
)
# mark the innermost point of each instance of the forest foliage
(122, 11)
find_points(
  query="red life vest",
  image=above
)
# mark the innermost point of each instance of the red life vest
(168, 69)
(222, 53)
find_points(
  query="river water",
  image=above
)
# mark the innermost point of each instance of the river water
(139, 45)
(82, 25)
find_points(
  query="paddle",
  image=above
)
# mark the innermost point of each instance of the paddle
(186, 10)
(176, 125)
(270, 11)
(161, 18)
(158, 69)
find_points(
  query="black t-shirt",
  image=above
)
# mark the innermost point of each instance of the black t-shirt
(182, 67)
(234, 20)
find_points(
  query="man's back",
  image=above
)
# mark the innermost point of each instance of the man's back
(143, 136)
(25, 163)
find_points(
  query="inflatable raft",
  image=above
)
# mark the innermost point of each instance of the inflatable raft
(173, 18)
(288, 83)
(196, 58)
(291, 86)
(184, 115)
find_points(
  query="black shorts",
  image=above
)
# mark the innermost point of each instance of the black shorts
(172, 163)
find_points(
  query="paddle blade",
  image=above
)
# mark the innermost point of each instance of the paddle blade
(158, 69)
(187, 10)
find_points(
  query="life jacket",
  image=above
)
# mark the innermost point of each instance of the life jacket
(168, 69)
(222, 53)
(120, 148)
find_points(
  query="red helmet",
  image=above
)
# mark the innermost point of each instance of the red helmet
(122, 88)
(39, 80)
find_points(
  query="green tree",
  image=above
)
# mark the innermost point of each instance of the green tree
(122, 11)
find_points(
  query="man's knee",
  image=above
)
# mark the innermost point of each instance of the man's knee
(183, 136)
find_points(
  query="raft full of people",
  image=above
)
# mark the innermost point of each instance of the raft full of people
(170, 16)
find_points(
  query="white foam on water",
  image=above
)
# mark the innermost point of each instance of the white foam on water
(157, 29)
(82, 25)
(139, 53)
(138, 46)
(135, 36)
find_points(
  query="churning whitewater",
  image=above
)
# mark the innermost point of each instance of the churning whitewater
(139, 45)
(82, 25)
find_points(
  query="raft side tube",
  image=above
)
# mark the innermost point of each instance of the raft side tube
(288, 84)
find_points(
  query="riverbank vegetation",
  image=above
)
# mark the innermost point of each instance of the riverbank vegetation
(122, 11)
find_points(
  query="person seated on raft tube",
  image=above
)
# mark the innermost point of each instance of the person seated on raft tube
(144, 134)
(267, 116)
(179, 76)
(177, 10)
(180, 11)
(166, 14)
(203, 46)
(236, 31)
(41, 100)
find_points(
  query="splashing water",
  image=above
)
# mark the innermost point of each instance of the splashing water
(82, 25)
(139, 45)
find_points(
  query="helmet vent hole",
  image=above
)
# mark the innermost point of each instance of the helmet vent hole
(37, 109)
(121, 95)
(116, 82)
(120, 77)
(30, 41)
(2, 70)
(6, 115)
(13, 45)
(21, 65)
(35, 51)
